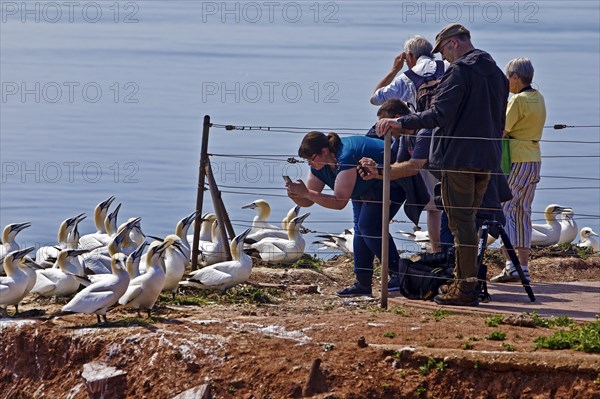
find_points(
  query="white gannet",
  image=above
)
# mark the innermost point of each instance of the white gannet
(262, 233)
(343, 242)
(135, 238)
(46, 255)
(143, 291)
(110, 223)
(421, 238)
(283, 250)
(98, 261)
(181, 230)
(260, 220)
(60, 281)
(175, 261)
(8, 240)
(100, 237)
(588, 239)
(13, 286)
(133, 261)
(102, 294)
(549, 233)
(212, 252)
(205, 229)
(568, 227)
(224, 275)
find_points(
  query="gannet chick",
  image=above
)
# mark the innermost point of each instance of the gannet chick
(13, 286)
(568, 227)
(588, 239)
(284, 250)
(549, 233)
(60, 281)
(8, 240)
(102, 294)
(224, 275)
(44, 254)
(143, 291)
(100, 237)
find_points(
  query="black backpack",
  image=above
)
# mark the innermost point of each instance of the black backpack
(426, 86)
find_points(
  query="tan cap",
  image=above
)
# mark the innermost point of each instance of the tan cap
(448, 32)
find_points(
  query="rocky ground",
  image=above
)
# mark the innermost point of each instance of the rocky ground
(286, 335)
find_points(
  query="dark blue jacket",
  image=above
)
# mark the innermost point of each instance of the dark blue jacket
(470, 109)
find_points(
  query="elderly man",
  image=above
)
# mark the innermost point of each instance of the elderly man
(470, 110)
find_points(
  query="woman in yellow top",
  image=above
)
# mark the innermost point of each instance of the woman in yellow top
(525, 118)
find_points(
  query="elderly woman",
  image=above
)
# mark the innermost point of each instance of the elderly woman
(525, 118)
(333, 162)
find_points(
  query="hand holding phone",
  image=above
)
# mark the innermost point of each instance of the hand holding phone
(287, 179)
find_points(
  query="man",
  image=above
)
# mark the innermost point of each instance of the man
(470, 110)
(419, 58)
(413, 152)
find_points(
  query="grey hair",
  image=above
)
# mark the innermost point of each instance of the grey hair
(418, 46)
(522, 67)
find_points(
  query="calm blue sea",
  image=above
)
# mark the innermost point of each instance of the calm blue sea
(105, 98)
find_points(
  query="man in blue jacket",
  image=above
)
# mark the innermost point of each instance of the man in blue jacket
(470, 110)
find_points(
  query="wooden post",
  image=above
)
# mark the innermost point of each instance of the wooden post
(385, 220)
(200, 195)
(219, 209)
(218, 203)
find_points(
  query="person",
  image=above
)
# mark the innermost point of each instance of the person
(333, 162)
(419, 58)
(413, 152)
(470, 110)
(525, 119)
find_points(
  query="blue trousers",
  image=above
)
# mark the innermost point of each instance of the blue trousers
(367, 235)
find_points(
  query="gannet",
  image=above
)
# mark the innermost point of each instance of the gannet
(100, 237)
(44, 254)
(60, 281)
(261, 233)
(343, 242)
(205, 229)
(549, 233)
(13, 286)
(133, 261)
(224, 275)
(568, 227)
(421, 238)
(260, 220)
(212, 252)
(588, 239)
(98, 262)
(143, 291)
(8, 240)
(135, 238)
(181, 230)
(283, 250)
(110, 223)
(102, 294)
(175, 261)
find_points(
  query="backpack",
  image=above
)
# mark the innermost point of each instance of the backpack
(426, 86)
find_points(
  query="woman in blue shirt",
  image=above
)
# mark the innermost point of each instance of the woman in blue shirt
(333, 162)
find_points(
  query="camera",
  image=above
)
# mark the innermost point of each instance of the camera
(438, 258)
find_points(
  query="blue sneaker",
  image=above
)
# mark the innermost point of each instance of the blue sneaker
(355, 290)
(394, 282)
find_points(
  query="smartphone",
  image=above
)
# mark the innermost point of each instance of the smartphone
(287, 179)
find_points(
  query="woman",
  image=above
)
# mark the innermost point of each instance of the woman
(525, 118)
(333, 162)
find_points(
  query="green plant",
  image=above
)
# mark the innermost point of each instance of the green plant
(584, 338)
(389, 334)
(309, 262)
(400, 311)
(439, 314)
(497, 336)
(421, 391)
(508, 347)
(494, 321)
(468, 345)
(431, 364)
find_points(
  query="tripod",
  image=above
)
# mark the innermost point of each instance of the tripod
(509, 248)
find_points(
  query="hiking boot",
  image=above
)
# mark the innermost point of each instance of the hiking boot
(509, 276)
(394, 282)
(356, 289)
(458, 295)
(446, 287)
